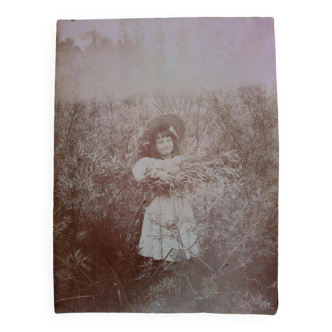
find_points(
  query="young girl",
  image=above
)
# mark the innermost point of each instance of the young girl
(168, 230)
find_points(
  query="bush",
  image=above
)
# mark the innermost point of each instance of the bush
(231, 162)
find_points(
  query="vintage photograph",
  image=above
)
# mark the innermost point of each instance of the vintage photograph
(166, 166)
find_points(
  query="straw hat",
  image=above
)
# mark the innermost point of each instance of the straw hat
(171, 121)
(166, 120)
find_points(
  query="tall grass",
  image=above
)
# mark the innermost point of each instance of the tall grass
(230, 174)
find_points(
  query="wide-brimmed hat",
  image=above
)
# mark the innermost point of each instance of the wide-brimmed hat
(171, 121)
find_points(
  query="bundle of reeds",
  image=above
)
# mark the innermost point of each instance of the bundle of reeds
(185, 179)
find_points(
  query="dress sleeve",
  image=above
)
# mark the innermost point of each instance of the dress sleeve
(144, 168)
(177, 160)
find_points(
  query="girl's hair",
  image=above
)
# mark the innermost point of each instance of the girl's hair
(163, 132)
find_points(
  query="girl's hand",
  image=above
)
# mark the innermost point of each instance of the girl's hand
(164, 176)
(175, 169)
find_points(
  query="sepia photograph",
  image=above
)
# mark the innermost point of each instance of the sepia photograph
(166, 166)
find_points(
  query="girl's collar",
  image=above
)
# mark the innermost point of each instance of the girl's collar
(172, 156)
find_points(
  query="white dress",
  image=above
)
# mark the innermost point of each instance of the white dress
(169, 225)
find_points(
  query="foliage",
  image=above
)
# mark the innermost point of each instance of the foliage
(229, 172)
(189, 175)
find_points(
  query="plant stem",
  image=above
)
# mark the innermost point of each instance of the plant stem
(87, 278)
(159, 267)
(74, 297)
(194, 292)
(228, 258)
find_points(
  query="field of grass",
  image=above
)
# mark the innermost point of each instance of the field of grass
(99, 208)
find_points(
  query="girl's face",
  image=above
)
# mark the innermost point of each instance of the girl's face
(164, 146)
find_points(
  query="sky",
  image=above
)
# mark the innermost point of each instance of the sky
(184, 54)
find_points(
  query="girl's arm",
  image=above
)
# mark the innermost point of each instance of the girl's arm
(164, 176)
(176, 167)
(144, 169)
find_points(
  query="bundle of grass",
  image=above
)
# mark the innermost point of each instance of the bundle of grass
(190, 174)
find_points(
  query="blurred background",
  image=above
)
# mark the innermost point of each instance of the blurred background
(100, 58)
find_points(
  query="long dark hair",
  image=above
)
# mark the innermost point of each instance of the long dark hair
(163, 132)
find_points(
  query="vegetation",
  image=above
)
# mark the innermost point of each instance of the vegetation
(230, 174)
